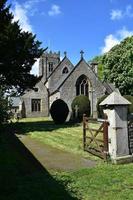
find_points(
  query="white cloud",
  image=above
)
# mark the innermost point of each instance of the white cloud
(35, 68)
(31, 6)
(119, 14)
(116, 14)
(109, 41)
(55, 10)
(124, 32)
(129, 11)
(20, 13)
(114, 39)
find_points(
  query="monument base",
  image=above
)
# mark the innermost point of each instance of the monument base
(123, 159)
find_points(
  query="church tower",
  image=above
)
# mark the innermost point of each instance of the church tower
(47, 63)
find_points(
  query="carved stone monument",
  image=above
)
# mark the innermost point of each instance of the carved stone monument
(115, 107)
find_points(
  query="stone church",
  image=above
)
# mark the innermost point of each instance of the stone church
(60, 79)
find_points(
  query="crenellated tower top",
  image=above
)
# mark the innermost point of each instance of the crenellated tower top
(48, 62)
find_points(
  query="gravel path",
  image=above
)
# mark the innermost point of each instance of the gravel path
(52, 158)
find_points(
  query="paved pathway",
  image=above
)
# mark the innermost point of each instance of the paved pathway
(52, 158)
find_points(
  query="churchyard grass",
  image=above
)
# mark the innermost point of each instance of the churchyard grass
(21, 175)
(22, 178)
(104, 182)
(67, 137)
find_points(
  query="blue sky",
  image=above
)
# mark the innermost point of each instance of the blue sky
(71, 25)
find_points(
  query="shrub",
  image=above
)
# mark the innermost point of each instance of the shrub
(83, 104)
(100, 108)
(130, 98)
(59, 111)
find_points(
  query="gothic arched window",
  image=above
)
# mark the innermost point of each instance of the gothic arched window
(82, 86)
(36, 105)
(65, 70)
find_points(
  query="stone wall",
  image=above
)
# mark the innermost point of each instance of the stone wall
(44, 61)
(54, 97)
(57, 77)
(68, 89)
(40, 94)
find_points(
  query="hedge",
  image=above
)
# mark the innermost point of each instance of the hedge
(59, 111)
(83, 104)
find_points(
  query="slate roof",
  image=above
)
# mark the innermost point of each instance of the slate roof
(109, 87)
(55, 69)
(61, 81)
(115, 98)
(81, 60)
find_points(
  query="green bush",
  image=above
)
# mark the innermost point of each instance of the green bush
(59, 111)
(83, 104)
(129, 98)
(100, 108)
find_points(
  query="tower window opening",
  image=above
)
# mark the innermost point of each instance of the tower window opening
(65, 70)
(50, 66)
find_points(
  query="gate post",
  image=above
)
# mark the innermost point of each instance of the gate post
(105, 137)
(84, 131)
(115, 107)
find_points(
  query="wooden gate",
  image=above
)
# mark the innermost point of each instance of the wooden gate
(95, 141)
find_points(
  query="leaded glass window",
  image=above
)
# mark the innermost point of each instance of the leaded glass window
(36, 105)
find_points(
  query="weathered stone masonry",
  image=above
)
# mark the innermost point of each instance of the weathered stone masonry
(60, 79)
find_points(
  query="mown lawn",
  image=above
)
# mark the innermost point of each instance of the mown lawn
(67, 137)
(22, 177)
(104, 182)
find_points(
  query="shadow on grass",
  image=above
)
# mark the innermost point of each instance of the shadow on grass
(22, 176)
(44, 126)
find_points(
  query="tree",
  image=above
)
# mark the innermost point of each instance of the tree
(4, 106)
(118, 66)
(98, 59)
(18, 52)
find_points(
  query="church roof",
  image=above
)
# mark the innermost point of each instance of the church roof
(115, 98)
(57, 89)
(57, 68)
(15, 101)
(110, 87)
(81, 60)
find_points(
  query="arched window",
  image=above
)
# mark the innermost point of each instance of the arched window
(51, 66)
(82, 86)
(36, 105)
(65, 70)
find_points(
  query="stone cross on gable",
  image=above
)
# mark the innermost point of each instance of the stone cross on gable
(82, 53)
(65, 53)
